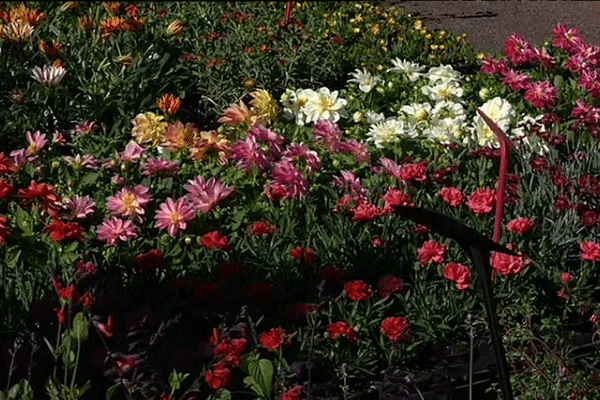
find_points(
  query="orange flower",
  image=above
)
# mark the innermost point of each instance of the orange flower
(112, 7)
(238, 115)
(175, 27)
(178, 136)
(24, 15)
(85, 23)
(134, 24)
(58, 63)
(125, 60)
(169, 104)
(49, 50)
(111, 25)
(210, 142)
(70, 5)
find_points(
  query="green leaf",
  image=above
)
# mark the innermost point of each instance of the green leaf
(262, 372)
(80, 327)
(13, 392)
(89, 179)
(252, 384)
(175, 379)
(223, 394)
(111, 391)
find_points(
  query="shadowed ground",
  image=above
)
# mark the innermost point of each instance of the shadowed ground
(489, 23)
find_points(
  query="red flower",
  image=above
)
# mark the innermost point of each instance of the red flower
(357, 290)
(541, 94)
(481, 201)
(394, 198)
(341, 328)
(451, 196)
(214, 240)
(565, 277)
(273, 339)
(366, 212)
(260, 292)
(395, 328)
(519, 226)
(149, 261)
(507, 264)
(228, 269)
(431, 252)
(420, 229)
(301, 310)
(291, 394)
(331, 275)
(60, 231)
(45, 193)
(7, 166)
(107, 328)
(590, 251)
(261, 229)
(389, 284)
(589, 219)
(5, 189)
(4, 231)
(305, 255)
(414, 172)
(518, 50)
(218, 377)
(459, 274)
(60, 315)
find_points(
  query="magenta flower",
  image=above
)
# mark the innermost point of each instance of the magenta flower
(516, 80)
(566, 39)
(174, 215)
(287, 176)
(36, 142)
(129, 202)
(327, 132)
(132, 153)
(518, 50)
(86, 127)
(116, 229)
(248, 154)
(356, 148)
(205, 195)
(78, 207)
(541, 94)
(159, 166)
(80, 161)
(300, 152)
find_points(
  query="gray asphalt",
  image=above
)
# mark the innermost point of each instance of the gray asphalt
(488, 23)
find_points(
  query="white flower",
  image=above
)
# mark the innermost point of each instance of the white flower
(373, 117)
(444, 133)
(443, 91)
(293, 105)
(365, 80)
(389, 131)
(49, 77)
(449, 113)
(501, 112)
(442, 74)
(324, 105)
(531, 143)
(410, 69)
(418, 117)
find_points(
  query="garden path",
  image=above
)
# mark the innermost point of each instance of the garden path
(488, 23)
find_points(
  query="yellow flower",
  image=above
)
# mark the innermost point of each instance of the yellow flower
(169, 104)
(148, 127)
(175, 27)
(210, 142)
(264, 105)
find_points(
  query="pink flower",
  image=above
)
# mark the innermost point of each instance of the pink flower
(431, 252)
(158, 166)
(391, 168)
(414, 172)
(451, 196)
(79, 161)
(328, 133)
(78, 207)
(174, 215)
(481, 201)
(116, 229)
(566, 39)
(541, 94)
(287, 176)
(394, 198)
(36, 142)
(590, 251)
(300, 152)
(358, 150)
(366, 212)
(492, 66)
(133, 152)
(507, 264)
(518, 51)
(519, 226)
(86, 127)
(248, 155)
(129, 202)
(205, 195)
(459, 274)
(516, 80)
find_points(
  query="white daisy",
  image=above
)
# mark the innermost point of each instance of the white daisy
(49, 77)
(366, 81)
(324, 105)
(418, 118)
(293, 105)
(443, 73)
(385, 132)
(374, 117)
(501, 112)
(412, 70)
(443, 91)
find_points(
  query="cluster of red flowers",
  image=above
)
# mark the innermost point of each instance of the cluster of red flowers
(261, 229)
(357, 290)
(228, 352)
(273, 339)
(342, 329)
(305, 255)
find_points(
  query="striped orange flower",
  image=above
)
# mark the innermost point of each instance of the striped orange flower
(210, 143)
(175, 27)
(85, 23)
(50, 50)
(169, 104)
(179, 136)
(112, 25)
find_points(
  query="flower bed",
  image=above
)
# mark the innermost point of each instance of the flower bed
(156, 254)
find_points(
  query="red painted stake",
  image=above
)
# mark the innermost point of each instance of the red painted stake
(288, 11)
(505, 144)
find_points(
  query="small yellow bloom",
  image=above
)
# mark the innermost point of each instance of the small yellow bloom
(264, 105)
(249, 83)
(418, 24)
(148, 127)
(169, 104)
(175, 27)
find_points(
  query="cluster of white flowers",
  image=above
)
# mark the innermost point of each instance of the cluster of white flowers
(366, 81)
(501, 112)
(307, 105)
